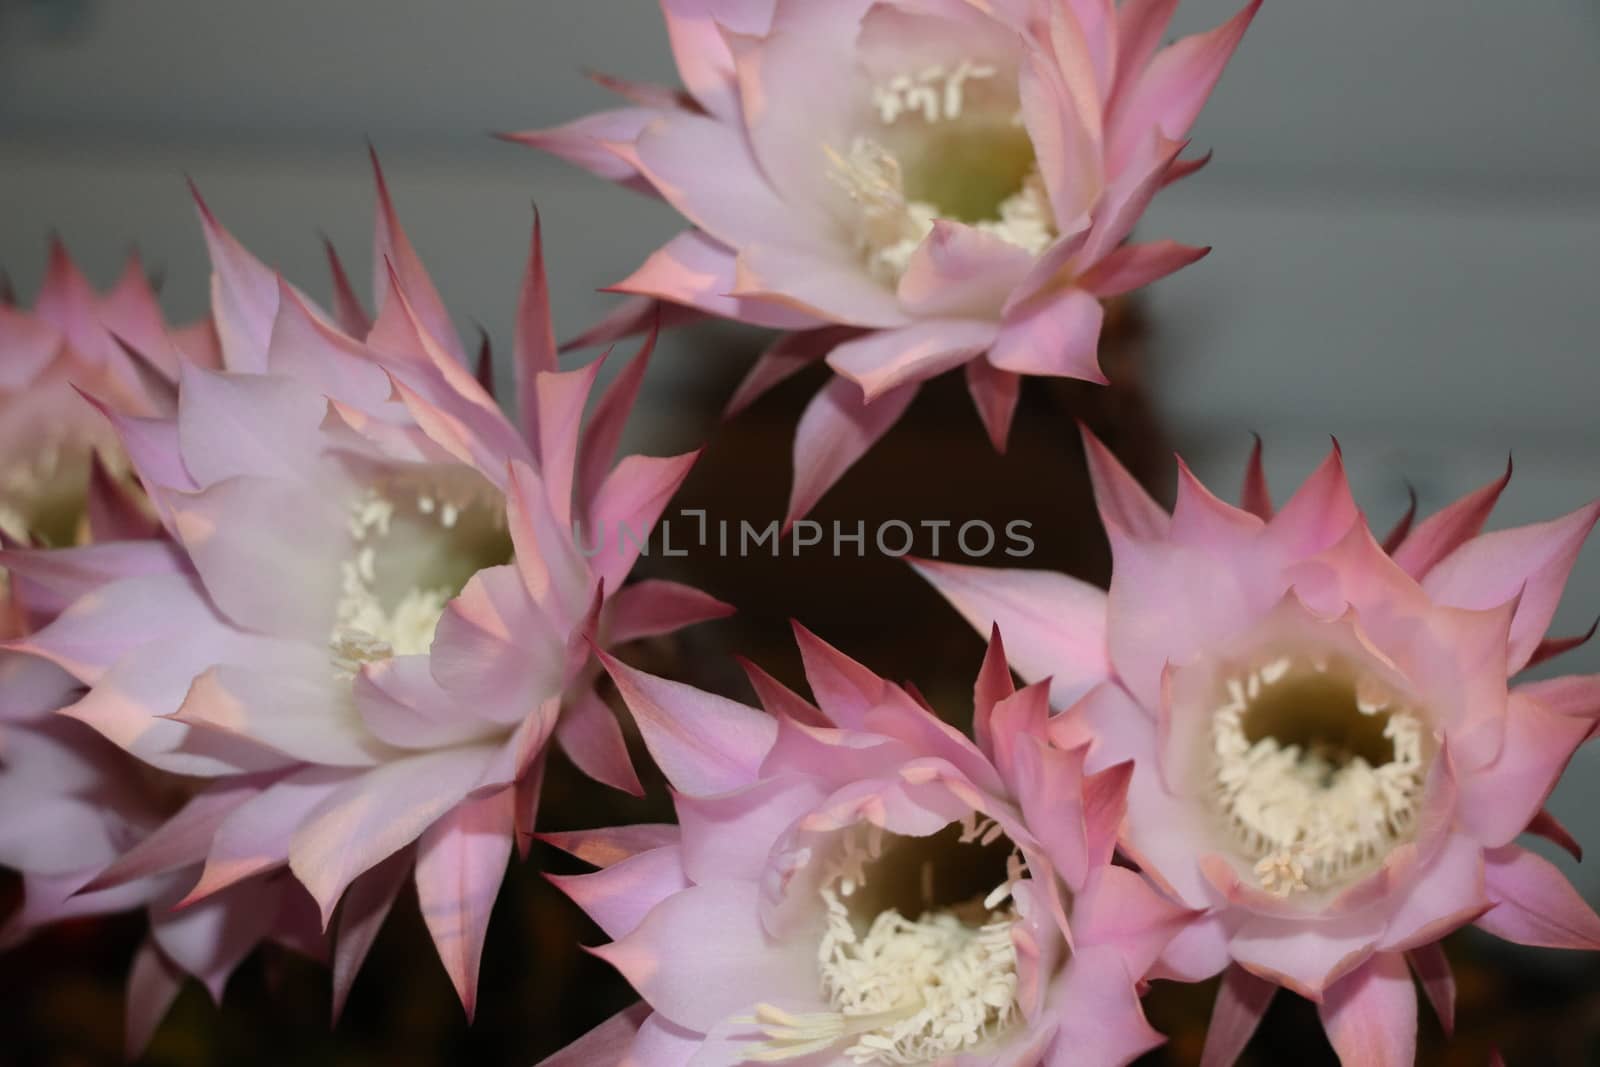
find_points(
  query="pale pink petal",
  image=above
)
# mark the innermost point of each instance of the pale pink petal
(1255, 497)
(718, 831)
(348, 312)
(1546, 826)
(49, 582)
(620, 896)
(698, 271)
(994, 393)
(546, 556)
(1122, 501)
(1318, 516)
(844, 689)
(461, 860)
(1499, 801)
(268, 551)
(534, 341)
(695, 29)
(959, 271)
(598, 448)
(1065, 137)
(588, 143)
(254, 837)
(153, 984)
(1120, 909)
(1197, 952)
(704, 743)
(702, 955)
(1103, 1022)
(827, 285)
(211, 938)
(835, 431)
(1058, 338)
(1529, 562)
(298, 708)
(705, 169)
(1136, 266)
(493, 647)
(244, 297)
(993, 685)
(592, 739)
(29, 344)
(377, 814)
(626, 507)
(1534, 903)
(779, 700)
(560, 397)
(392, 253)
(1054, 626)
(888, 359)
(634, 315)
(401, 702)
(1371, 1015)
(1433, 971)
(1169, 93)
(654, 607)
(789, 356)
(1442, 533)
(606, 845)
(1242, 999)
(1141, 25)
(1201, 518)
(1306, 957)
(366, 904)
(1448, 895)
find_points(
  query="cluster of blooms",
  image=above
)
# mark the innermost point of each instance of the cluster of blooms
(293, 612)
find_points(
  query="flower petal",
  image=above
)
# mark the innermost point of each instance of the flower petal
(1371, 1015)
(888, 359)
(702, 955)
(704, 743)
(1242, 999)
(1054, 626)
(1534, 903)
(836, 430)
(377, 814)
(461, 860)
(1529, 562)
(1059, 338)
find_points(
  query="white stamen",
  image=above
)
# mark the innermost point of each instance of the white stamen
(892, 225)
(903, 991)
(938, 94)
(366, 629)
(1311, 822)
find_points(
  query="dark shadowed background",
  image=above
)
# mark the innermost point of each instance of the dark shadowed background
(1405, 205)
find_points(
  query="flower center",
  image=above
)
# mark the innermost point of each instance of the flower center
(916, 958)
(42, 497)
(1318, 771)
(413, 548)
(949, 144)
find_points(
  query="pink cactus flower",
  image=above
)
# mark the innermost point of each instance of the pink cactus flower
(73, 807)
(375, 614)
(116, 345)
(919, 185)
(855, 882)
(1331, 765)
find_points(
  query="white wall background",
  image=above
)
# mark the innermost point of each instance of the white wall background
(1405, 204)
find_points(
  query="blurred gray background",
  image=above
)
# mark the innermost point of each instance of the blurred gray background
(1405, 204)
